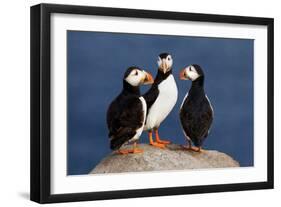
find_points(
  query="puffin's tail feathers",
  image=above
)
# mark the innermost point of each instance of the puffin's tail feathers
(121, 138)
(199, 142)
(115, 144)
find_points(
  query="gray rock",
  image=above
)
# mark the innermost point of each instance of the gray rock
(174, 157)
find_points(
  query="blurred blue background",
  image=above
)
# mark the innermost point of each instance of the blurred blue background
(96, 64)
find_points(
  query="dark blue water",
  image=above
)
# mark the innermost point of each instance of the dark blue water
(97, 61)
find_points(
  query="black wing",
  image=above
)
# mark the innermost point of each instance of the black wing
(124, 119)
(196, 120)
(150, 96)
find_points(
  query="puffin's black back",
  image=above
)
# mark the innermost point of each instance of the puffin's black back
(196, 114)
(124, 115)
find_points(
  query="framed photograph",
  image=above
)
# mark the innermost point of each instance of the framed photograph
(132, 103)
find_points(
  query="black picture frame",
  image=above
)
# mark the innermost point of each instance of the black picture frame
(41, 98)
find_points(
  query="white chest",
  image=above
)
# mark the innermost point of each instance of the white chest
(166, 100)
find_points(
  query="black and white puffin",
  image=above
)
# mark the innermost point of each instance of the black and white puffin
(160, 98)
(196, 112)
(127, 112)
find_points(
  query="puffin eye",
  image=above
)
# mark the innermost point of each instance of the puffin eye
(136, 72)
(169, 58)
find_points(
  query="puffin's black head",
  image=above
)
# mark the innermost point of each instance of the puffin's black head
(191, 72)
(165, 62)
(136, 76)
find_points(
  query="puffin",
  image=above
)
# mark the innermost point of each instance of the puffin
(126, 114)
(196, 111)
(160, 99)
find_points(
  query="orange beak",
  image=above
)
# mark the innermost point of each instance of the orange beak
(182, 74)
(148, 79)
(164, 66)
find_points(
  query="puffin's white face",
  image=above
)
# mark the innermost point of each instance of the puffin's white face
(189, 73)
(138, 77)
(165, 64)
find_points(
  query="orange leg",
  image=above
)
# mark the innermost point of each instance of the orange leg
(158, 140)
(155, 144)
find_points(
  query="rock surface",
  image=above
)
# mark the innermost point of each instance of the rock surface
(174, 157)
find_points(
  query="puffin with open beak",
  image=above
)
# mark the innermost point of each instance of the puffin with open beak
(126, 114)
(196, 111)
(160, 99)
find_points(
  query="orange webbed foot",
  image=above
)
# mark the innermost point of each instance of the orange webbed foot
(124, 151)
(158, 140)
(130, 151)
(191, 148)
(137, 150)
(163, 141)
(156, 144)
(199, 149)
